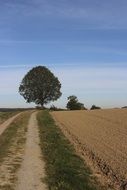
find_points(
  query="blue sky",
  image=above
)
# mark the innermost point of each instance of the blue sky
(83, 42)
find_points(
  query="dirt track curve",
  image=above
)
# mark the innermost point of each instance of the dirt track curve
(4, 125)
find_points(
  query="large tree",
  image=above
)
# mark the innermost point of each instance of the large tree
(40, 86)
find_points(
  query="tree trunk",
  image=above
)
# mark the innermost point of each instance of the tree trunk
(42, 106)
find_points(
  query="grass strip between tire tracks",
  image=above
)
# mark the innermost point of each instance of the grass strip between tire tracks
(64, 169)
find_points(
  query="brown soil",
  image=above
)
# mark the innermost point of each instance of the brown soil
(32, 169)
(100, 137)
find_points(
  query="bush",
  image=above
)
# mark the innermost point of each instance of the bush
(125, 107)
(73, 103)
(54, 108)
(94, 107)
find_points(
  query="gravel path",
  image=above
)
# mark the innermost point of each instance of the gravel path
(4, 125)
(32, 169)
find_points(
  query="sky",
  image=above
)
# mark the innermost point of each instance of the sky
(84, 43)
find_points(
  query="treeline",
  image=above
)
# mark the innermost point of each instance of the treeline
(74, 104)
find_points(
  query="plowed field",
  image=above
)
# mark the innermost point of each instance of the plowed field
(102, 135)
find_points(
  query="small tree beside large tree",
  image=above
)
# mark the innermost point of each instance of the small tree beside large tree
(40, 86)
(73, 103)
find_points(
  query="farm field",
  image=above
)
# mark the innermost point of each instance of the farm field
(101, 136)
(35, 153)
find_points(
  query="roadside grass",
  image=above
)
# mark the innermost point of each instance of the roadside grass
(5, 115)
(8, 136)
(12, 143)
(64, 169)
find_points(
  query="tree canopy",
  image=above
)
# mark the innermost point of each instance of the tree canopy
(40, 86)
(73, 103)
(94, 107)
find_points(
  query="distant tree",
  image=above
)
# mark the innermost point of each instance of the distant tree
(53, 108)
(73, 103)
(94, 107)
(40, 86)
(124, 107)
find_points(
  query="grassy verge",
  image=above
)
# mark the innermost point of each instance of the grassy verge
(64, 169)
(5, 115)
(12, 143)
(8, 136)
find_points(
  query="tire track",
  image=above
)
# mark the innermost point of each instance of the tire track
(32, 169)
(4, 125)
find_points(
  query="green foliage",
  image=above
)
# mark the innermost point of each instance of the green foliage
(73, 103)
(64, 169)
(54, 108)
(40, 86)
(94, 107)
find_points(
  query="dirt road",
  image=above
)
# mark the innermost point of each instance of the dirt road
(32, 169)
(4, 125)
(12, 143)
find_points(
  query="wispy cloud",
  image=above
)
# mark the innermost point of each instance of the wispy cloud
(97, 67)
(14, 66)
(101, 15)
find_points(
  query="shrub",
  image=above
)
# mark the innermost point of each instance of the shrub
(94, 107)
(73, 103)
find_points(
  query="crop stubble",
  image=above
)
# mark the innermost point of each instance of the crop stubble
(103, 134)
